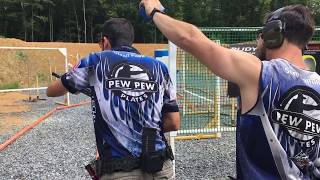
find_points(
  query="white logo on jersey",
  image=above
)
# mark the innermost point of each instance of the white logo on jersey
(131, 82)
(299, 112)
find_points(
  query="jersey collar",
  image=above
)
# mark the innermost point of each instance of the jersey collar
(125, 48)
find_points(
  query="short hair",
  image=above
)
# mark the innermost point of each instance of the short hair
(299, 24)
(119, 31)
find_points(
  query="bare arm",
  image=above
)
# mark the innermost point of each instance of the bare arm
(171, 121)
(56, 89)
(236, 66)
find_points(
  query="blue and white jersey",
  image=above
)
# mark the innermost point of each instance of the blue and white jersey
(130, 91)
(277, 137)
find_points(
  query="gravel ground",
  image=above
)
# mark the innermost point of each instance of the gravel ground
(40, 108)
(206, 159)
(59, 147)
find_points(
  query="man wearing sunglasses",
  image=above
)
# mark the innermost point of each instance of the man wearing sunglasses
(133, 104)
(279, 126)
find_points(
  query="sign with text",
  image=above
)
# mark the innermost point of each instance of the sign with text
(312, 60)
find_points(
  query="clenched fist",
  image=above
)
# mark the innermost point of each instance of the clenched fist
(149, 5)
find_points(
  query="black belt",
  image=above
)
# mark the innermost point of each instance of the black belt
(109, 166)
(125, 164)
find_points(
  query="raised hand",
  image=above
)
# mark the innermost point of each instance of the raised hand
(149, 5)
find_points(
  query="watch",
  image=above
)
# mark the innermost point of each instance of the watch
(154, 11)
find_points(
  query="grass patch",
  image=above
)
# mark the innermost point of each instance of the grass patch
(41, 77)
(14, 85)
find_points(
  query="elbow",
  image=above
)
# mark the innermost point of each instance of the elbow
(48, 92)
(56, 89)
(189, 38)
(54, 92)
(171, 121)
(175, 127)
(172, 127)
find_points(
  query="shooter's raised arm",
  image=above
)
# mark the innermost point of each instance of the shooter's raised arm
(236, 66)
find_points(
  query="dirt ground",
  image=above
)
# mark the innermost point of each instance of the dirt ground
(9, 122)
(27, 67)
(73, 49)
(12, 103)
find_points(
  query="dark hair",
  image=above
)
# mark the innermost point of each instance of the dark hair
(299, 23)
(119, 31)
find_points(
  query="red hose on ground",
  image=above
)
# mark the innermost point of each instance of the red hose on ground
(36, 122)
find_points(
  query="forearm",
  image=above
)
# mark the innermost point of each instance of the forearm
(168, 128)
(228, 64)
(56, 89)
(191, 39)
(171, 121)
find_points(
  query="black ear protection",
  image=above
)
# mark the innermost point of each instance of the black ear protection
(273, 30)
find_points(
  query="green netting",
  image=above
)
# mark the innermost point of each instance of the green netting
(203, 100)
(228, 35)
(316, 36)
(204, 103)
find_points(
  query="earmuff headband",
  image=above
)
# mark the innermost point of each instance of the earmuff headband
(272, 31)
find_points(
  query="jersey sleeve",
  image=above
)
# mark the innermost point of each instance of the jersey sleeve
(170, 103)
(77, 78)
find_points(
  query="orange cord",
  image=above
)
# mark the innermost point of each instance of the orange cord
(36, 122)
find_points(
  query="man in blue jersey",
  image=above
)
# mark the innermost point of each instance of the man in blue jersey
(279, 127)
(133, 104)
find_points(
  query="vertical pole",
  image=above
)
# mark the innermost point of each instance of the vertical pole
(216, 120)
(172, 64)
(78, 57)
(54, 66)
(28, 68)
(50, 69)
(173, 74)
(183, 61)
(217, 101)
(37, 86)
(64, 52)
(233, 111)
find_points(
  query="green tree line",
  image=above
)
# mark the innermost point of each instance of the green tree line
(81, 20)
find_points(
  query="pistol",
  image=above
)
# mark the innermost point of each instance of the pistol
(86, 91)
(91, 168)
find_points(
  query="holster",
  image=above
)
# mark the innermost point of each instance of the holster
(151, 161)
(169, 152)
